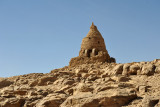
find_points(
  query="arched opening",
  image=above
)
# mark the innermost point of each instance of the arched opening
(89, 52)
(96, 52)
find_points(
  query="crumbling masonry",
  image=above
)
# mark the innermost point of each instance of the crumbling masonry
(93, 49)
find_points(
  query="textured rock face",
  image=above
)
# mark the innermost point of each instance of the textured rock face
(5, 83)
(87, 85)
(92, 50)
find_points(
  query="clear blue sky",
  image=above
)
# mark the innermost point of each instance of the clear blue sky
(37, 36)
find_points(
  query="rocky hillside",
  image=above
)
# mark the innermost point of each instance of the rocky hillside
(134, 84)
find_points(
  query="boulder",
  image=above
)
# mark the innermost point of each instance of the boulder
(79, 71)
(148, 69)
(5, 83)
(82, 87)
(118, 69)
(149, 101)
(157, 70)
(142, 89)
(114, 98)
(133, 69)
(13, 102)
(44, 80)
(52, 100)
(126, 69)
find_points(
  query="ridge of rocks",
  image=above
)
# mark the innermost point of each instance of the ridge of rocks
(134, 84)
(93, 32)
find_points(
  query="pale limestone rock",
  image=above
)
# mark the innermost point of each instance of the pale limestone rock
(79, 71)
(149, 101)
(44, 80)
(82, 87)
(13, 102)
(157, 70)
(148, 69)
(142, 89)
(52, 100)
(86, 85)
(126, 69)
(5, 83)
(116, 98)
(133, 69)
(122, 79)
(118, 69)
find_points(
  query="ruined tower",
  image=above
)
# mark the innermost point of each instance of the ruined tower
(93, 49)
(93, 43)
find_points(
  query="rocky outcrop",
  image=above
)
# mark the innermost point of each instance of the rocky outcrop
(97, 84)
(105, 98)
(5, 83)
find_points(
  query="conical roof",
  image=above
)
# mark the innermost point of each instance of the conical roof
(93, 40)
(93, 32)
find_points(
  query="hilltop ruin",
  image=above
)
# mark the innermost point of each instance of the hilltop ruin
(93, 49)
